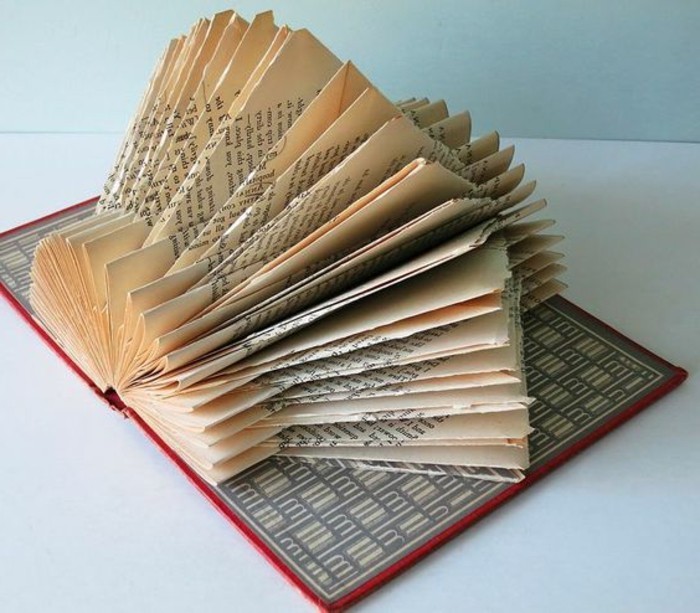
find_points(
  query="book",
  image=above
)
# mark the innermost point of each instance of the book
(586, 378)
(364, 349)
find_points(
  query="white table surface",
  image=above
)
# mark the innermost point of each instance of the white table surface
(93, 518)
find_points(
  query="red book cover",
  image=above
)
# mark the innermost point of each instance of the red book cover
(338, 532)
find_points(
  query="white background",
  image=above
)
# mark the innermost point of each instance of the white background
(626, 69)
(93, 518)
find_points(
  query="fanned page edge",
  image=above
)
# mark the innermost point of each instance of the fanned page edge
(116, 404)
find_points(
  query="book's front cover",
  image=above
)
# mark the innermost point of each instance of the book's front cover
(338, 532)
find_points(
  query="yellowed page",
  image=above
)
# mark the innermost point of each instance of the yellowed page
(477, 363)
(496, 456)
(428, 114)
(179, 141)
(132, 271)
(277, 100)
(161, 113)
(318, 286)
(479, 149)
(486, 331)
(393, 146)
(416, 189)
(138, 121)
(99, 251)
(454, 428)
(185, 110)
(259, 40)
(332, 123)
(459, 282)
(450, 249)
(413, 405)
(453, 248)
(453, 131)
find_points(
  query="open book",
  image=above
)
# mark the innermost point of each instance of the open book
(338, 528)
(327, 309)
(285, 262)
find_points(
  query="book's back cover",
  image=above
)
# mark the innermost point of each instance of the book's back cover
(338, 532)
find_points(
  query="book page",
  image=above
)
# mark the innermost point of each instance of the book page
(258, 45)
(276, 101)
(203, 111)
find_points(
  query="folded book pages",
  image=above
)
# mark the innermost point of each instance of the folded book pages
(334, 312)
(285, 262)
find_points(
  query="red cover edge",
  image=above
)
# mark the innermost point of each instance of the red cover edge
(49, 216)
(404, 563)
